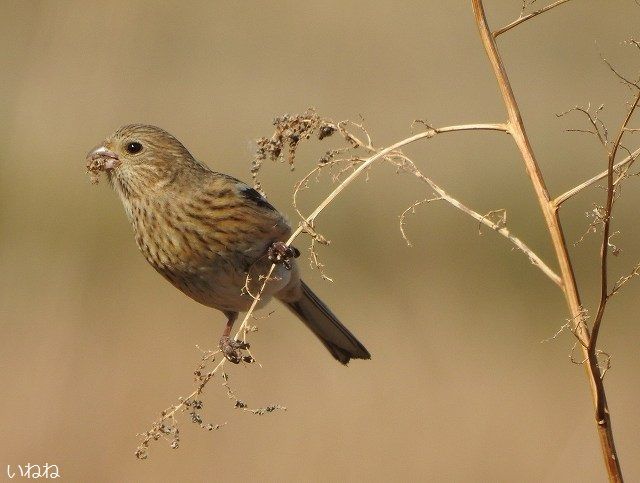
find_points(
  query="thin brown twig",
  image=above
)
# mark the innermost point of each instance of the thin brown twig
(412, 209)
(628, 82)
(524, 18)
(575, 190)
(624, 280)
(571, 325)
(502, 220)
(604, 248)
(497, 227)
(599, 127)
(482, 220)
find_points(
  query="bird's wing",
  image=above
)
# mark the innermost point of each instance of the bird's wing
(253, 196)
(238, 211)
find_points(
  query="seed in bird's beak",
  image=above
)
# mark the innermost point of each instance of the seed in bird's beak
(101, 159)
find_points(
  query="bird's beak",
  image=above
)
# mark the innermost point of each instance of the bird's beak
(103, 159)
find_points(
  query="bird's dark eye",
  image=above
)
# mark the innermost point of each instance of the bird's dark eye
(134, 147)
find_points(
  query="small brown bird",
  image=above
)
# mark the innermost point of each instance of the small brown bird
(211, 235)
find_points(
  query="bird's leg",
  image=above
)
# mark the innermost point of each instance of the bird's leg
(230, 347)
(280, 252)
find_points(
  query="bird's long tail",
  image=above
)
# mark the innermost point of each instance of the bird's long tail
(342, 344)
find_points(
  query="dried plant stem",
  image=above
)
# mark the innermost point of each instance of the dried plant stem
(502, 230)
(604, 248)
(550, 213)
(308, 221)
(524, 18)
(575, 190)
(182, 404)
(483, 219)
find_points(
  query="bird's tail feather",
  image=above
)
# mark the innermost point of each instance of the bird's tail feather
(342, 344)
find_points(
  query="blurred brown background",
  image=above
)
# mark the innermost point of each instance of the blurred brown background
(94, 344)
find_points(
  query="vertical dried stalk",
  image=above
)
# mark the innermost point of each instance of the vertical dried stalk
(550, 213)
(604, 248)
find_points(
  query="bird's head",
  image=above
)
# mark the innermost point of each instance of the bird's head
(139, 158)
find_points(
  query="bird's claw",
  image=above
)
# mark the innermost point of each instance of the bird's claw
(280, 252)
(231, 349)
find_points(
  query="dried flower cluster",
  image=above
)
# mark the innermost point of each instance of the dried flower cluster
(289, 131)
